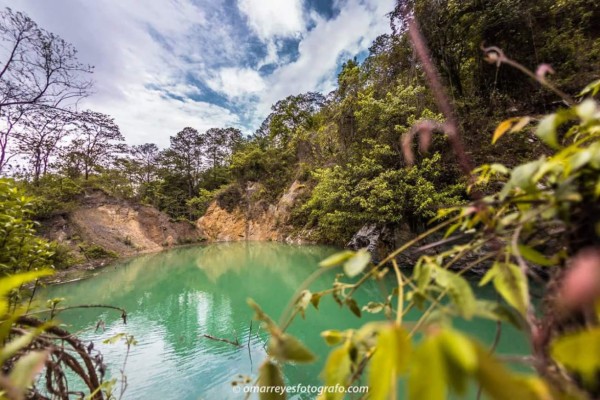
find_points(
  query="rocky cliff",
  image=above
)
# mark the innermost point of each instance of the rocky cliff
(255, 220)
(118, 227)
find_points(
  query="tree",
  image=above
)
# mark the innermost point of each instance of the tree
(39, 138)
(185, 157)
(10, 117)
(220, 144)
(39, 67)
(38, 70)
(290, 114)
(349, 85)
(146, 156)
(95, 144)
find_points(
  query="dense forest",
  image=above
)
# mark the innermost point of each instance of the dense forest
(392, 145)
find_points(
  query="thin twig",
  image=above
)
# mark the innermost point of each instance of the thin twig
(236, 343)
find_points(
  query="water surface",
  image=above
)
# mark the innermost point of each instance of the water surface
(175, 297)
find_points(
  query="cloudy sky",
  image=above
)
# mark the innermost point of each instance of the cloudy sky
(162, 65)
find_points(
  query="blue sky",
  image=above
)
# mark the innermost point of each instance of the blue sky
(162, 65)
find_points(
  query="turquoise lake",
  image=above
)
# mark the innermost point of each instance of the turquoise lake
(175, 297)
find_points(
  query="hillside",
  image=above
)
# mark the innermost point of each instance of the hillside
(101, 226)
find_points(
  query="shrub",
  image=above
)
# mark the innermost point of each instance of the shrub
(230, 197)
(95, 252)
(347, 197)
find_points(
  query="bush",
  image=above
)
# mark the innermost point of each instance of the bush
(230, 197)
(54, 194)
(20, 248)
(63, 257)
(95, 252)
(200, 203)
(347, 197)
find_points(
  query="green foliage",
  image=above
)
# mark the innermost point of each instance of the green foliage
(271, 166)
(26, 367)
(96, 252)
(508, 232)
(20, 248)
(578, 352)
(54, 194)
(201, 202)
(347, 197)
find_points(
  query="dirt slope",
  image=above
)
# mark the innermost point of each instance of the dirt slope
(118, 226)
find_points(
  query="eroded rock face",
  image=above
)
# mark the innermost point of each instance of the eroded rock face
(120, 226)
(256, 221)
(381, 240)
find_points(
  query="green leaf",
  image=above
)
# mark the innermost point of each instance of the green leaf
(494, 311)
(27, 368)
(512, 286)
(461, 358)
(521, 176)
(587, 110)
(530, 254)
(489, 275)
(336, 259)
(315, 300)
(579, 159)
(357, 263)
(14, 281)
(337, 370)
(428, 376)
(391, 358)
(546, 130)
(459, 290)
(333, 337)
(260, 315)
(497, 382)
(593, 88)
(422, 274)
(270, 376)
(459, 349)
(578, 352)
(114, 339)
(452, 229)
(285, 347)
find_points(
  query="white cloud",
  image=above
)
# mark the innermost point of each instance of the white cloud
(146, 53)
(271, 18)
(155, 116)
(137, 53)
(324, 46)
(237, 82)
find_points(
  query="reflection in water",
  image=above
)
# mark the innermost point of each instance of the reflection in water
(174, 298)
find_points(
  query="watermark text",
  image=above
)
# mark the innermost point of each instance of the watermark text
(299, 389)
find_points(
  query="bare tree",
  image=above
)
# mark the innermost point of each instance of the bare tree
(9, 119)
(39, 67)
(146, 158)
(39, 138)
(38, 71)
